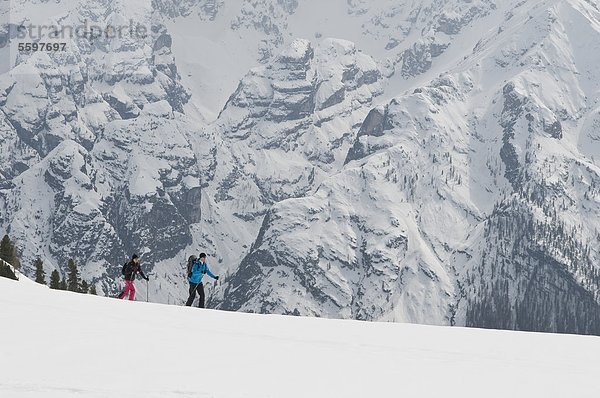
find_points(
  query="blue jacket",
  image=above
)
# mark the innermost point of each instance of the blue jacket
(198, 271)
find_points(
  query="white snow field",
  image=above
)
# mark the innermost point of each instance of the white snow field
(62, 344)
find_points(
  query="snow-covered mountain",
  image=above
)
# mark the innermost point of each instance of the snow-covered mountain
(430, 161)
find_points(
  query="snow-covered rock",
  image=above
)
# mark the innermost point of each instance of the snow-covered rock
(431, 161)
(462, 202)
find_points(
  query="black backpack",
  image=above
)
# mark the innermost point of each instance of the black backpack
(190, 265)
(125, 269)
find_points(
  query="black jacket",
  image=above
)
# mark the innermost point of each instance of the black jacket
(131, 269)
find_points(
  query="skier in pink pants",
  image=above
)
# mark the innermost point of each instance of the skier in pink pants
(130, 269)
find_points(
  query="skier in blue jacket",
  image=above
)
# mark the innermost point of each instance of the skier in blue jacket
(199, 268)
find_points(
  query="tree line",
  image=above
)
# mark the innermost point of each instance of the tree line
(533, 275)
(71, 282)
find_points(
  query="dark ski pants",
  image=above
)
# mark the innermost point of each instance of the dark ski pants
(193, 288)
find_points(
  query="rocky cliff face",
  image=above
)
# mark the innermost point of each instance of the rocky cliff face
(287, 126)
(408, 230)
(95, 161)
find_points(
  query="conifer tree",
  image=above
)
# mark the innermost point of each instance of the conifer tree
(6, 249)
(73, 276)
(63, 284)
(54, 280)
(40, 274)
(93, 290)
(6, 271)
(8, 252)
(16, 261)
(84, 287)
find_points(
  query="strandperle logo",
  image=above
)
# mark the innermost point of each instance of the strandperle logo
(84, 30)
(19, 37)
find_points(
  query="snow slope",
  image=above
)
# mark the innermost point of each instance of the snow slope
(98, 347)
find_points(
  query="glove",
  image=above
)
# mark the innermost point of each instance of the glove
(147, 279)
(217, 277)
